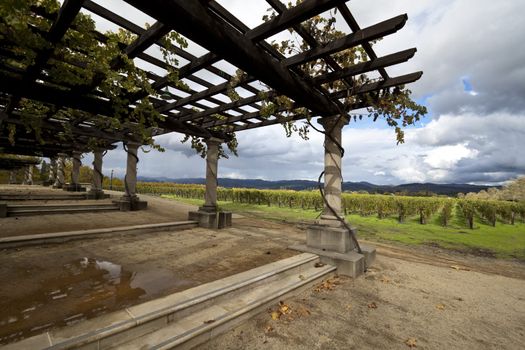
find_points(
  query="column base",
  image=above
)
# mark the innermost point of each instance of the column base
(209, 209)
(335, 246)
(351, 264)
(328, 238)
(211, 220)
(126, 203)
(97, 194)
(74, 188)
(329, 220)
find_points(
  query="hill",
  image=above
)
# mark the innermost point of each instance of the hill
(298, 185)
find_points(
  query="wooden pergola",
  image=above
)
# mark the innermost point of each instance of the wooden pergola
(201, 108)
(194, 112)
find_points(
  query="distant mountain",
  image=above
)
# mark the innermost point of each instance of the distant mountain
(298, 185)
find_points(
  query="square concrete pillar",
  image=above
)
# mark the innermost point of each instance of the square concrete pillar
(75, 186)
(130, 200)
(205, 219)
(60, 175)
(96, 191)
(328, 238)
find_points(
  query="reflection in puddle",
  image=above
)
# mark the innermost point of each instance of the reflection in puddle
(83, 289)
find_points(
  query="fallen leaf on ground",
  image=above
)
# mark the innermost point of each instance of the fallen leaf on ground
(411, 342)
(440, 307)
(275, 315)
(268, 329)
(209, 321)
(457, 268)
(319, 264)
(283, 308)
(385, 279)
(328, 284)
(372, 305)
(302, 278)
(349, 306)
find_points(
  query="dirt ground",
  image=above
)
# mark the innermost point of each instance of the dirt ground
(159, 210)
(398, 304)
(420, 297)
(57, 285)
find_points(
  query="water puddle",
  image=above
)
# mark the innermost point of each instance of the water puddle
(82, 289)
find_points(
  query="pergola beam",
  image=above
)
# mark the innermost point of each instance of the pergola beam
(294, 15)
(371, 33)
(195, 22)
(365, 67)
(66, 15)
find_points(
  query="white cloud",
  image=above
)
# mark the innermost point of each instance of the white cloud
(473, 136)
(447, 157)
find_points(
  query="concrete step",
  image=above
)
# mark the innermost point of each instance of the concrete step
(180, 318)
(39, 197)
(61, 237)
(220, 317)
(44, 209)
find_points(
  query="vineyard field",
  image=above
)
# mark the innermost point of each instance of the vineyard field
(438, 210)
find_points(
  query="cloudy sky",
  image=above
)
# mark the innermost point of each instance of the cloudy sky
(472, 55)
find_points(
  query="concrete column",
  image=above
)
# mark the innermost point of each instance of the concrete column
(333, 127)
(75, 171)
(96, 185)
(130, 180)
(61, 163)
(12, 177)
(212, 160)
(130, 200)
(28, 175)
(52, 170)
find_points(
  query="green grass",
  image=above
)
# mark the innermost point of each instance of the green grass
(502, 241)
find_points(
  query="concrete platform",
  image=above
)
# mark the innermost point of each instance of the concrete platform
(191, 317)
(351, 264)
(62, 237)
(46, 209)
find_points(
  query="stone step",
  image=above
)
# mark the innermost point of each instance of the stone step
(198, 327)
(39, 197)
(176, 318)
(45, 209)
(61, 237)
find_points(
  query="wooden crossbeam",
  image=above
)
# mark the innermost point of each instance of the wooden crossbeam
(364, 67)
(294, 15)
(382, 84)
(371, 33)
(59, 97)
(195, 22)
(214, 90)
(146, 39)
(224, 107)
(66, 15)
(352, 23)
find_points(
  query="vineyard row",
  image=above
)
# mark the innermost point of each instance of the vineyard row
(363, 204)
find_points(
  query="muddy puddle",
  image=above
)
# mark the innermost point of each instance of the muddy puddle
(82, 289)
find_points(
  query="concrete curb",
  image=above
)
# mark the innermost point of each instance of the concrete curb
(61, 237)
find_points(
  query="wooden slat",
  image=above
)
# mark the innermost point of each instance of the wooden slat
(383, 84)
(371, 33)
(195, 22)
(288, 18)
(368, 66)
